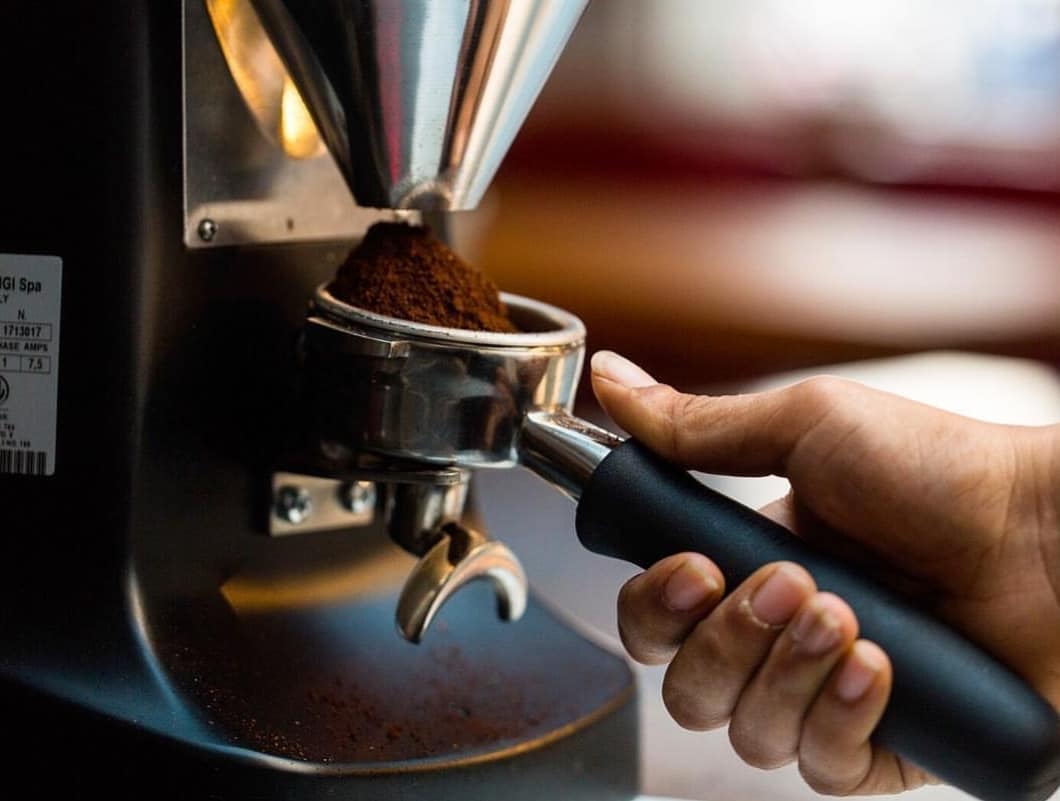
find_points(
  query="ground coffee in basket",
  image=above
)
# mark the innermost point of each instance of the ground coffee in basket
(405, 271)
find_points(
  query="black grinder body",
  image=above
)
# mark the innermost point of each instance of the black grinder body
(124, 666)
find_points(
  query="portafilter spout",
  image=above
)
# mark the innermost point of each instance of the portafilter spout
(446, 397)
(419, 100)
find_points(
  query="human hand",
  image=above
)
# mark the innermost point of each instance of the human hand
(960, 512)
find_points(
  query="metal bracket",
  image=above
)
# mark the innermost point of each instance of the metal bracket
(302, 503)
(240, 188)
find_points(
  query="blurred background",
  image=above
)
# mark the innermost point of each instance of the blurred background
(742, 194)
(726, 189)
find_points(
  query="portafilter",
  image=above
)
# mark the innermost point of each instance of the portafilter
(446, 399)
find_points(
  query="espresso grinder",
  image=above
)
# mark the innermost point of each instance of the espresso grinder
(222, 485)
(199, 590)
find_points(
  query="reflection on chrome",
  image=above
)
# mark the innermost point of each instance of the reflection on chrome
(418, 101)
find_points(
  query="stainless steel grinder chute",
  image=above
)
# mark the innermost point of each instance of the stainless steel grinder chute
(185, 615)
(445, 399)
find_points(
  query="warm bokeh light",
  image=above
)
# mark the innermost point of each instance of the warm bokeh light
(731, 189)
(888, 91)
(298, 134)
(262, 79)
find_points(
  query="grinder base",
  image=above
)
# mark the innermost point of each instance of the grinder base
(482, 711)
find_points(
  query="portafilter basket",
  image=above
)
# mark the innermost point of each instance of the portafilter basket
(445, 398)
(442, 396)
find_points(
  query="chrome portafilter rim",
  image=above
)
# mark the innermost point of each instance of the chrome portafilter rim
(434, 395)
(551, 326)
(444, 399)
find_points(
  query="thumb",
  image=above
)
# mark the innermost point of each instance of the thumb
(752, 435)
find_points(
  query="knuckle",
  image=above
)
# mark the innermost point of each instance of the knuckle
(821, 772)
(636, 607)
(698, 689)
(640, 650)
(645, 641)
(689, 709)
(666, 400)
(706, 644)
(824, 392)
(634, 643)
(684, 411)
(748, 743)
(682, 415)
(627, 599)
(823, 782)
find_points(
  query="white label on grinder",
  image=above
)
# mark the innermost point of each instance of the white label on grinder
(30, 299)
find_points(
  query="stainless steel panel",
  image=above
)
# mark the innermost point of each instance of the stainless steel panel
(240, 187)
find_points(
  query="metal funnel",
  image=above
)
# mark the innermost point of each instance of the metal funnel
(419, 100)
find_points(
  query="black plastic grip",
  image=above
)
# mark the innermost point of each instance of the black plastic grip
(954, 710)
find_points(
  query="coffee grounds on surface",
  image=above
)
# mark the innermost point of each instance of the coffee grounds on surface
(404, 271)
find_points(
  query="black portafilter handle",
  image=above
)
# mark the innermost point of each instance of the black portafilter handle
(954, 710)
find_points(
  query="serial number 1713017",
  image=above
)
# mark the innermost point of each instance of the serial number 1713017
(25, 331)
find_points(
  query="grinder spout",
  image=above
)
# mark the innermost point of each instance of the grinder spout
(418, 101)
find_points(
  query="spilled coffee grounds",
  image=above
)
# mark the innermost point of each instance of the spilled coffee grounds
(405, 271)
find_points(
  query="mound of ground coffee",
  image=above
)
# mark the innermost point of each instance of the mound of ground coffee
(405, 271)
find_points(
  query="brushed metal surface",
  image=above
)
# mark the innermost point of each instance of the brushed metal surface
(239, 184)
(418, 101)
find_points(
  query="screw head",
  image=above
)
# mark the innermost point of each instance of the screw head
(207, 229)
(293, 504)
(359, 496)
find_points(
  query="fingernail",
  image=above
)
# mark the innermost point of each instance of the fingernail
(613, 367)
(816, 630)
(688, 587)
(858, 673)
(776, 601)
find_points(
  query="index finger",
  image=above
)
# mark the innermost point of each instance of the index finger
(753, 434)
